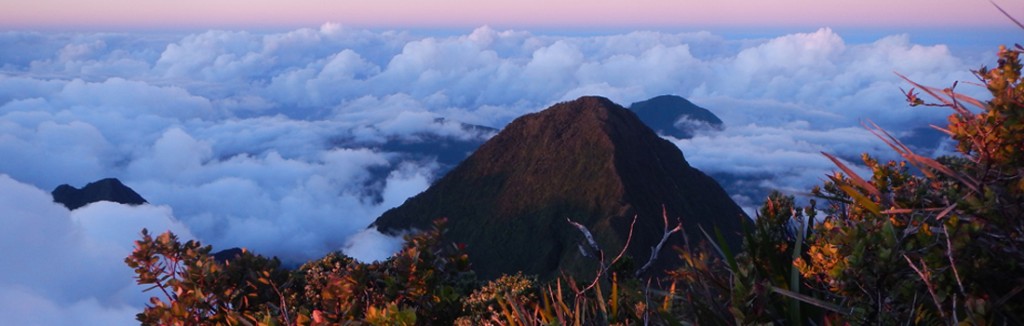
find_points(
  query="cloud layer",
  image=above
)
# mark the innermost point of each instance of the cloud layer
(271, 141)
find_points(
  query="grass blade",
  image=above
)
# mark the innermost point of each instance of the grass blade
(856, 179)
(812, 301)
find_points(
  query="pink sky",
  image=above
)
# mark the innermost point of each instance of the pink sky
(159, 14)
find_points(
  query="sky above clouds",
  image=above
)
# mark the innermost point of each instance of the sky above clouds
(153, 14)
(254, 124)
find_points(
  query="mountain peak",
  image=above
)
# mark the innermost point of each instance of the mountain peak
(109, 189)
(675, 116)
(589, 160)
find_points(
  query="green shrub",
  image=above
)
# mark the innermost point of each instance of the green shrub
(944, 246)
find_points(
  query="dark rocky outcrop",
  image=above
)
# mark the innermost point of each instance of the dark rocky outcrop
(589, 160)
(109, 189)
(675, 116)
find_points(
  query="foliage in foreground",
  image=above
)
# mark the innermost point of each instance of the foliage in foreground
(922, 241)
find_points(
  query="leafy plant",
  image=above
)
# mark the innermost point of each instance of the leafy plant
(942, 246)
(428, 277)
(196, 289)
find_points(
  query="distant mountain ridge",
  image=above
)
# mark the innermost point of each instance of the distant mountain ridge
(589, 160)
(448, 150)
(446, 143)
(675, 116)
(109, 189)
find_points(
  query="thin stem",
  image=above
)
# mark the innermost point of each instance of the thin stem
(928, 284)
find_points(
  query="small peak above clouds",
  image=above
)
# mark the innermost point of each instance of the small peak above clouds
(675, 116)
(109, 189)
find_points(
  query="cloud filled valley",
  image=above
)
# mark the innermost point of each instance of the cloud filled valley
(279, 142)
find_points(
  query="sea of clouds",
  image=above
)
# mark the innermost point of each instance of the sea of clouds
(267, 140)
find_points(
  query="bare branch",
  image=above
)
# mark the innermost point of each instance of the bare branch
(664, 237)
(1007, 14)
(590, 237)
(629, 238)
(602, 268)
(938, 95)
(931, 289)
(945, 212)
(952, 262)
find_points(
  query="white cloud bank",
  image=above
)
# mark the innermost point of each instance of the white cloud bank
(64, 267)
(250, 137)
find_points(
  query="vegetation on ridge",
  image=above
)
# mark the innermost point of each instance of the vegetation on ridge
(942, 245)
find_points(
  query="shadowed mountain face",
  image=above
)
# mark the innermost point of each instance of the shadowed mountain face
(589, 160)
(109, 189)
(675, 116)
